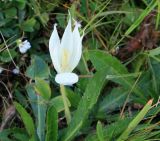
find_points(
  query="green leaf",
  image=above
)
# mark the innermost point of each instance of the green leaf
(20, 97)
(32, 99)
(43, 88)
(26, 118)
(57, 102)
(44, 18)
(154, 67)
(8, 32)
(42, 107)
(101, 59)
(73, 98)
(154, 52)
(5, 57)
(17, 134)
(21, 4)
(132, 125)
(39, 109)
(28, 25)
(4, 135)
(110, 131)
(38, 68)
(117, 71)
(11, 12)
(3, 22)
(113, 100)
(100, 131)
(61, 20)
(52, 124)
(141, 17)
(85, 105)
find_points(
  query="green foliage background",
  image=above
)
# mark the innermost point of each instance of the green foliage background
(110, 101)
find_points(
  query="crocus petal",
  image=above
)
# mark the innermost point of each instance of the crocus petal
(54, 49)
(77, 47)
(66, 78)
(67, 38)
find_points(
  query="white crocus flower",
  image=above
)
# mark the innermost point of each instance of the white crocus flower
(66, 54)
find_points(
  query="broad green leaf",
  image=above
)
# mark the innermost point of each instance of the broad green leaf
(52, 125)
(32, 97)
(38, 68)
(85, 105)
(8, 32)
(101, 59)
(146, 84)
(100, 131)
(3, 22)
(5, 55)
(39, 109)
(42, 107)
(11, 12)
(42, 88)
(21, 4)
(28, 25)
(113, 100)
(27, 119)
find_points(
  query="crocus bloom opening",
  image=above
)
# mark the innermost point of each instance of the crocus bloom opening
(66, 54)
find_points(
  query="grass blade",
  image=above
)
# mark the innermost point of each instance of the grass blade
(135, 121)
(100, 131)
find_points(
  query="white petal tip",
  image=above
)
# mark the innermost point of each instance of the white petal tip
(55, 24)
(78, 24)
(66, 78)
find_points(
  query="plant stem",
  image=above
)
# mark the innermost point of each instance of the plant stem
(66, 108)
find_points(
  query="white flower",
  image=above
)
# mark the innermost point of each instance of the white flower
(66, 54)
(16, 71)
(1, 69)
(24, 46)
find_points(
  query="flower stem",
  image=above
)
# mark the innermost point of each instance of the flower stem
(66, 107)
